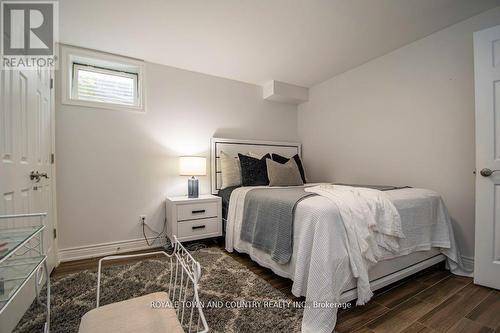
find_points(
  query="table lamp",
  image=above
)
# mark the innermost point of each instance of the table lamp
(192, 166)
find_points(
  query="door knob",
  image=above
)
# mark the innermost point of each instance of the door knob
(37, 176)
(487, 172)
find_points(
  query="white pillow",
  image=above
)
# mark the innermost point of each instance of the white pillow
(230, 170)
(257, 155)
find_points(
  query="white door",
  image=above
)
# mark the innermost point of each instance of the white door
(487, 81)
(26, 146)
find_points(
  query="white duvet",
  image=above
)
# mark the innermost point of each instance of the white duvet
(321, 265)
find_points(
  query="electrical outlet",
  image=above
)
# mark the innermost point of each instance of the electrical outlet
(142, 219)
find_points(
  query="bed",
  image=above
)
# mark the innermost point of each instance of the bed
(319, 264)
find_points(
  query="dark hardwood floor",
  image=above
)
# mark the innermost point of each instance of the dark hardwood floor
(431, 301)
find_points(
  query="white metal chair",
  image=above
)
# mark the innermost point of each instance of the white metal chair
(175, 311)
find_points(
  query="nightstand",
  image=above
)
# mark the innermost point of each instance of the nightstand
(194, 218)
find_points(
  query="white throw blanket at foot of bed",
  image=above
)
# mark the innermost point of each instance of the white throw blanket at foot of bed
(339, 235)
(371, 221)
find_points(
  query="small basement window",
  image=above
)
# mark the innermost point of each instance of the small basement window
(104, 85)
(102, 80)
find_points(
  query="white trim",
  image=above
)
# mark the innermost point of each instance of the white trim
(53, 166)
(104, 249)
(213, 152)
(70, 54)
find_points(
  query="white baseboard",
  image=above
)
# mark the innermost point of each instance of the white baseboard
(468, 262)
(104, 249)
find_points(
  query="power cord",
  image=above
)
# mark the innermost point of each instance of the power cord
(191, 246)
(158, 234)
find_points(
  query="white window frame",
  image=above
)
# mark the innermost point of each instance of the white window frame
(74, 58)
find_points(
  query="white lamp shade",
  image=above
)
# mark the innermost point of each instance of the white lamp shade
(192, 166)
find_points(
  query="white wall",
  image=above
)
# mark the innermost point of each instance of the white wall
(113, 166)
(406, 118)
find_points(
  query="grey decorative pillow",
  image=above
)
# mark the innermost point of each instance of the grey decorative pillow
(230, 170)
(283, 160)
(287, 174)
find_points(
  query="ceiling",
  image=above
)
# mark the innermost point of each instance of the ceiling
(302, 42)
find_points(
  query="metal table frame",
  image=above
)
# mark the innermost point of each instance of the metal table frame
(42, 263)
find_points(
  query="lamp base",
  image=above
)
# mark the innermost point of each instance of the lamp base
(193, 188)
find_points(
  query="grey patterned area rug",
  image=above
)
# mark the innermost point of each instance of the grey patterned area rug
(223, 280)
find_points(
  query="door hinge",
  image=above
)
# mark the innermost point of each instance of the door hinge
(52, 158)
(54, 232)
(51, 83)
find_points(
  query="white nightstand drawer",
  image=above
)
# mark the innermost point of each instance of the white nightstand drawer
(194, 218)
(197, 211)
(198, 227)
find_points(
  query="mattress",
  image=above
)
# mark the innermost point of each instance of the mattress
(418, 219)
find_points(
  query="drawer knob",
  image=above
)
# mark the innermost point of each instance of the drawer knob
(198, 227)
(198, 211)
